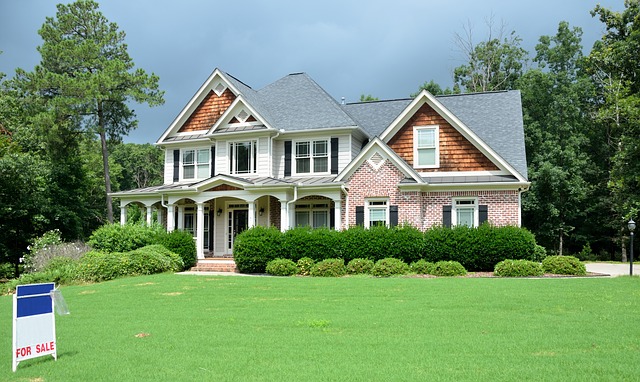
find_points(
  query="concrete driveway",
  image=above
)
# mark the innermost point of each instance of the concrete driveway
(621, 269)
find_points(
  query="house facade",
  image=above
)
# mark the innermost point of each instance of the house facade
(290, 155)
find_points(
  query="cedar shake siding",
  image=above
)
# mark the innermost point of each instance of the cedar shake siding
(456, 152)
(208, 112)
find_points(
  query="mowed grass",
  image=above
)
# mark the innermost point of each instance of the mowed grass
(202, 328)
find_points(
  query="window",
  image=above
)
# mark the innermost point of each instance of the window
(195, 164)
(312, 215)
(377, 213)
(425, 147)
(243, 157)
(312, 157)
(465, 212)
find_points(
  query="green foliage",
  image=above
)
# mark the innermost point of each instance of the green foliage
(304, 266)
(448, 269)
(141, 165)
(518, 268)
(368, 98)
(478, 249)
(421, 267)
(564, 265)
(329, 268)
(586, 254)
(121, 238)
(181, 243)
(433, 88)
(539, 253)
(317, 244)
(255, 247)
(281, 267)
(389, 267)
(360, 266)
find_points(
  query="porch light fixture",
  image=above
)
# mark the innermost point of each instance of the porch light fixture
(632, 226)
(219, 211)
(261, 211)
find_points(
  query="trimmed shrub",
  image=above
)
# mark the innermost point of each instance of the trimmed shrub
(181, 243)
(564, 265)
(539, 253)
(421, 267)
(518, 268)
(329, 268)
(317, 244)
(448, 268)
(255, 247)
(122, 238)
(407, 243)
(390, 267)
(304, 266)
(360, 266)
(281, 267)
(64, 270)
(354, 243)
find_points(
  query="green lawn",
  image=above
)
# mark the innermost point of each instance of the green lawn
(201, 328)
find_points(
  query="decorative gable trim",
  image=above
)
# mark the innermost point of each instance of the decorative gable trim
(427, 98)
(219, 181)
(241, 111)
(377, 146)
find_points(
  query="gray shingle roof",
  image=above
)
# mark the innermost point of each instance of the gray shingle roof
(374, 117)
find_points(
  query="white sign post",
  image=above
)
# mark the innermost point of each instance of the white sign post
(34, 325)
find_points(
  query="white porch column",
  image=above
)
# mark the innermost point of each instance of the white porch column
(149, 215)
(171, 225)
(252, 215)
(200, 231)
(181, 217)
(123, 214)
(337, 215)
(284, 216)
(159, 215)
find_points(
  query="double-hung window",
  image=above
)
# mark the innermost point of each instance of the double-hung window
(195, 163)
(465, 212)
(376, 213)
(243, 157)
(425, 147)
(312, 215)
(312, 157)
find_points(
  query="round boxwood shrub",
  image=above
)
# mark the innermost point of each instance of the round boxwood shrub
(518, 268)
(422, 267)
(281, 267)
(181, 243)
(122, 238)
(360, 266)
(390, 267)
(304, 266)
(564, 265)
(255, 247)
(448, 268)
(329, 268)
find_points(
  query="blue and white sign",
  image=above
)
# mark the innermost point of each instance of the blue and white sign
(34, 325)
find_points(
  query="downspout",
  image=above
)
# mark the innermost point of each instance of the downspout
(346, 205)
(295, 197)
(162, 201)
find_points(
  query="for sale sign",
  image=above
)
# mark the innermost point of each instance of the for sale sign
(34, 326)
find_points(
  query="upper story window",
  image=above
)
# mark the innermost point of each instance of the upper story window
(195, 163)
(376, 213)
(312, 157)
(243, 157)
(425, 147)
(465, 212)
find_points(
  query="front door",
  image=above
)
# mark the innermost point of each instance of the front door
(238, 222)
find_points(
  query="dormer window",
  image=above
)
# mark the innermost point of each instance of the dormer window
(312, 157)
(426, 153)
(195, 163)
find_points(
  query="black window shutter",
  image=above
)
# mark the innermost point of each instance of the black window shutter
(332, 218)
(287, 158)
(176, 165)
(360, 215)
(393, 216)
(211, 217)
(213, 161)
(483, 213)
(446, 216)
(334, 155)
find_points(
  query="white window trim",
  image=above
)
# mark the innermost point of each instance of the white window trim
(294, 164)
(195, 163)
(454, 212)
(253, 167)
(415, 146)
(367, 206)
(310, 207)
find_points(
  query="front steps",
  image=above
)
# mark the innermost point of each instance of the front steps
(216, 264)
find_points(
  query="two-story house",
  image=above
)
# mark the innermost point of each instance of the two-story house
(289, 155)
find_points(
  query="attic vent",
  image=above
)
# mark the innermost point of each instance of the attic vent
(242, 116)
(376, 160)
(219, 89)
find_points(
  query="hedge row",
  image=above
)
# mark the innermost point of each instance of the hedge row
(477, 249)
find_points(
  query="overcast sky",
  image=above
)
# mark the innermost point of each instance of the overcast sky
(383, 48)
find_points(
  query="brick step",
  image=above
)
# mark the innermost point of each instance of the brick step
(215, 265)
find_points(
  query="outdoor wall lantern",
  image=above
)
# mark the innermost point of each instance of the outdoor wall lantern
(261, 211)
(632, 226)
(219, 211)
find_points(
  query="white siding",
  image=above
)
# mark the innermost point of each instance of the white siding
(278, 159)
(344, 151)
(168, 166)
(356, 146)
(222, 162)
(263, 157)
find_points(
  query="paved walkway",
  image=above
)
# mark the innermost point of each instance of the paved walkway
(620, 269)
